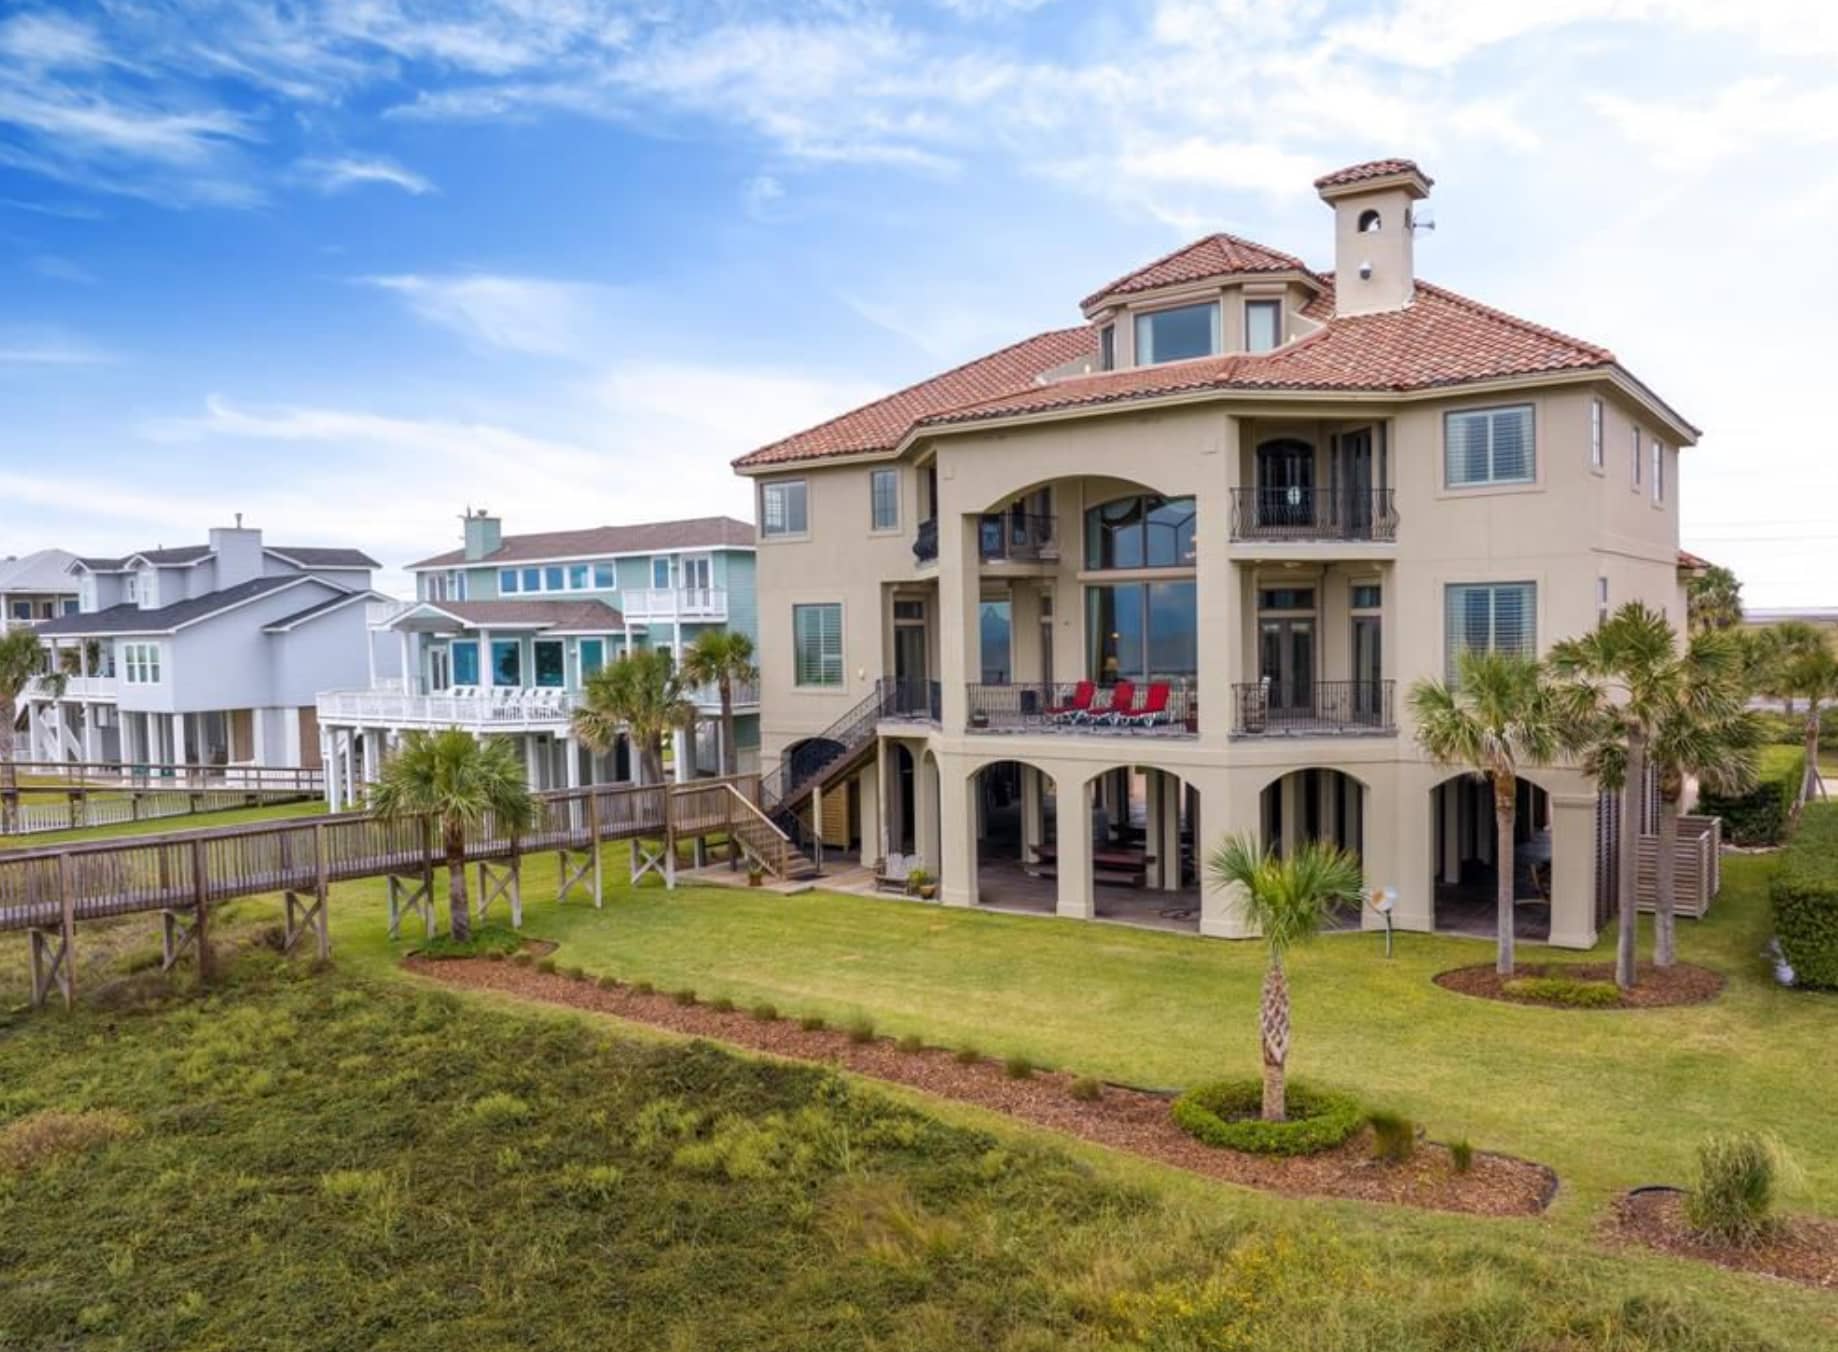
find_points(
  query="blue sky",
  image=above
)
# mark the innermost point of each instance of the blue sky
(350, 266)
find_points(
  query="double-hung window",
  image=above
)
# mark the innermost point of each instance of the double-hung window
(1107, 348)
(1659, 471)
(603, 577)
(1490, 616)
(507, 581)
(1172, 335)
(532, 579)
(1488, 446)
(816, 632)
(784, 508)
(577, 577)
(141, 663)
(1634, 459)
(1596, 451)
(884, 499)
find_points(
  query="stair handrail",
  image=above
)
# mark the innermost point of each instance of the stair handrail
(755, 816)
(849, 731)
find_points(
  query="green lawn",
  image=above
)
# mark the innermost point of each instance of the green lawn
(236, 816)
(1610, 1099)
(330, 1161)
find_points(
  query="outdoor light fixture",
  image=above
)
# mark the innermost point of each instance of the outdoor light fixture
(1384, 900)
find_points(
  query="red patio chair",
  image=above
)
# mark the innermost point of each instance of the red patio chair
(1152, 710)
(1122, 696)
(1077, 707)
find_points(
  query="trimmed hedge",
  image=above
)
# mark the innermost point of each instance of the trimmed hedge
(1225, 1114)
(1564, 990)
(1805, 895)
(1761, 816)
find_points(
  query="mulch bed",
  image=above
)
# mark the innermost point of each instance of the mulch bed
(1680, 984)
(1805, 1251)
(1123, 1118)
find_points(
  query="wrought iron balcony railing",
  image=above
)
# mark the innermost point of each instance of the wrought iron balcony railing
(925, 544)
(1160, 708)
(1312, 708)
(1305, 514)
(1018, 537)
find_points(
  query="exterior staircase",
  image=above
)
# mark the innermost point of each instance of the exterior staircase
(839, 750)
(765, 843)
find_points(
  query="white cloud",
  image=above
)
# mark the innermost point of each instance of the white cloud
(761, 196)
(1691, 135)
(340, 172)
(50, 40)
(711, 413)
(521, 314)
(1263, 168)
(60, 269)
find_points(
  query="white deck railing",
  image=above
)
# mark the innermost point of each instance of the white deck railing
(75, 687)
(683, 603)
(504, 709)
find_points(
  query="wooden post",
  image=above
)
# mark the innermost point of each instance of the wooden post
(201, 904)
(322, 892)
(593, 844)
(67, 895)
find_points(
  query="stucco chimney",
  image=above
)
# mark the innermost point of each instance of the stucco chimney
(1374, 269)
(483, 534)
(239, 553)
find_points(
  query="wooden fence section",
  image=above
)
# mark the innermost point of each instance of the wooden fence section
(300, 779)
(1698, 866)
(48, 891)
(90, 806)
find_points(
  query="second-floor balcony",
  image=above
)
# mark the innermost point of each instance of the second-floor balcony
(1018, 537)
(1312, 708)
(1155, 708)
(1303, 515)
(925, 543)
(495, 709)
(75, 688)
(674, 603)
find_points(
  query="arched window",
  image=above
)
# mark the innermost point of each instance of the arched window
(1140, 532)
(1369, 222)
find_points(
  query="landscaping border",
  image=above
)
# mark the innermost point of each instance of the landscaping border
(1679, 986)
(1805, 1251)
(1121, 1118)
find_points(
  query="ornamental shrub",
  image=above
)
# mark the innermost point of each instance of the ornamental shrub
(1733, 1202)
(1564, 990)
(1461, 1155)
(1804, 891)
(1225, 1114)
(1761, 816)
(1394, 1136)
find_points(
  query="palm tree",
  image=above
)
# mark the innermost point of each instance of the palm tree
(1807, 669)
(1499, 716)
(1617, 683)
(1707, 735)
(641, 695)
(1713, 599)
(722, 658)
(1286, 898)
(23, 658)
(459, 781)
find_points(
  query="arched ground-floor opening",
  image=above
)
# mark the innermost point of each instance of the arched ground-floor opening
(1116, 845)
(1465, 864)
(1317, 804)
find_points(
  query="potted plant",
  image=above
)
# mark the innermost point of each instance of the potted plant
(756, 876)
(922, 882)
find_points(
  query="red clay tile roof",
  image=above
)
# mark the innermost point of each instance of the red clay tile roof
(1359, 173)
(881, 425)
(1215, 256)
(1691, 563)
(1441, 339)
(648, 537)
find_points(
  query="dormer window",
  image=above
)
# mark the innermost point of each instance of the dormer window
(1263, 325)
(1370, 222)
(1177, 334)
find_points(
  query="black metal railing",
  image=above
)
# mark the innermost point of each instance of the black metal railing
(1163, 708)
(808, 764)
(925, 544)
(911, 699)
(1314, 514)
(1017, 537)
(1308, 707)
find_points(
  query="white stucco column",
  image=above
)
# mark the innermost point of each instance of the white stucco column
(1074, 849)
(868, 799)
(572, 750)
(181, 753)
(883, 803)
(681, 755)
(960, 796)
(35, 729)
(532, 761)
(1168, 839)
(1032, 809)
(1451, 830)
(1230, 805)
(1217, 585)
(258, 735)
(328, 760)
(411, 676)
(92, 736)
(485, 671)
(926, 811)
(960, 656)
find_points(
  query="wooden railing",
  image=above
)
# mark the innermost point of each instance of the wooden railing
(86, 806)
(1696, 869)
(150, 775)
(732, 807)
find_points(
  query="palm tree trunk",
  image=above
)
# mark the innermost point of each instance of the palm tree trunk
(728, 756)
(1665, 884)
(459, 911)
(9, 772)
(1505, 806)
(1273, 1016)
(1633, 794)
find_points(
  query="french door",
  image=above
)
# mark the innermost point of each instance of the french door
(1286, 660)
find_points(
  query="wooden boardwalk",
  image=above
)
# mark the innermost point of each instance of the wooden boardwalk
(179, 875)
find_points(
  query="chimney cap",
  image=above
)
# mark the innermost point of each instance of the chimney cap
(1373, 174)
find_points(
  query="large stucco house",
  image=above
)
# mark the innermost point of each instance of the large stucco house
(1058, 620)
(504, 629)
(204, 654)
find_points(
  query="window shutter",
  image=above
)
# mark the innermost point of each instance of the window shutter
(1511, 430)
